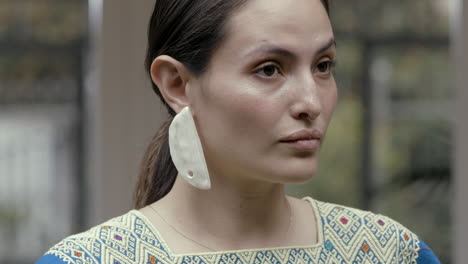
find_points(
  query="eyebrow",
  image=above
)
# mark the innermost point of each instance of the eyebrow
(328, 45)
(273, 49)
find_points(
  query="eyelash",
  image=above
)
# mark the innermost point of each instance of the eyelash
(268, 64)
(330, 64)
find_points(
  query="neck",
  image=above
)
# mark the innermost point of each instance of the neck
(232, 213)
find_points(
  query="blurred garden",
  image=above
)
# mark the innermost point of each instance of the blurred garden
(42, 50)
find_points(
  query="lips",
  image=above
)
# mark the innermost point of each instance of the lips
(303, 140)
(303, 135)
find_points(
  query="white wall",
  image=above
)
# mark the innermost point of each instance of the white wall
(123, 111)
(460, 55)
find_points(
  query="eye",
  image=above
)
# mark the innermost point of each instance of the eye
(268, 70)
(325, 67)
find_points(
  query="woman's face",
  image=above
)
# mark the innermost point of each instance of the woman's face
(271, 77)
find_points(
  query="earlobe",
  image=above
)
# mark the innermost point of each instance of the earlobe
(171, 77)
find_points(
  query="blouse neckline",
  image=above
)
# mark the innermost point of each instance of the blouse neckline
(319, 244)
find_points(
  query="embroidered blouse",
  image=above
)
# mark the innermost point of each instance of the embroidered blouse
(346, 235)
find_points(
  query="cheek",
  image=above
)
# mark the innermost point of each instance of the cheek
(329, 100)
(243, 110)
(235, 111)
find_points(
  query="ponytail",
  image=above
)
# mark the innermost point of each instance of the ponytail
(157, 173)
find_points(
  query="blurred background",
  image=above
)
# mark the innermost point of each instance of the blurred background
(77, 111)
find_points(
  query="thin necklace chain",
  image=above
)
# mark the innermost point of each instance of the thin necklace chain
(179, 232)
(200, 244)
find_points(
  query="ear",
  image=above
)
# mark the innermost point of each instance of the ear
(171, 77)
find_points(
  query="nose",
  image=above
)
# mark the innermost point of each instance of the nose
(307, 104)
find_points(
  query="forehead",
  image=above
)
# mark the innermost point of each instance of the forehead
(294, 24)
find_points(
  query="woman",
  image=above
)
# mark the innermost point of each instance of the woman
(252, 85)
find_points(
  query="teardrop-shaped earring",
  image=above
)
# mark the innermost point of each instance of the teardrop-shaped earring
(186, 150)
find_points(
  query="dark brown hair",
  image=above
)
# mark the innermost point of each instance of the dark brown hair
(189, 31)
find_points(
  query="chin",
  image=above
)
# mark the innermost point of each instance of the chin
(294, 176)
(297, 172)
(298, 178)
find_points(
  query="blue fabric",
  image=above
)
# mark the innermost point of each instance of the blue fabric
(50, 259)
(426, 256)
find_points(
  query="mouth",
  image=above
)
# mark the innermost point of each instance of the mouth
(306, 139)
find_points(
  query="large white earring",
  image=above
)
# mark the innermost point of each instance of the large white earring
(186, 150)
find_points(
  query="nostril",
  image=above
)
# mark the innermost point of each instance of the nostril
(304, 116)
(305, 111)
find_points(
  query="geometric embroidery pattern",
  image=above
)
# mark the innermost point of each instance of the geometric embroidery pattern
(347, 235)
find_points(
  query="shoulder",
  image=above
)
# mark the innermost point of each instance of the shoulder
(331, 213)
(124, 239)
(372, 232)
(364, 221)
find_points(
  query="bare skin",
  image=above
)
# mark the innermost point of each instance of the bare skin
(270, 77)
(248, 222)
